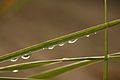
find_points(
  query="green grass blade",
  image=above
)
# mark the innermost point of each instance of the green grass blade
(34, 64)
(115, 54)
(59, 40)
(60, 70)
(27, 65)
(105, 43)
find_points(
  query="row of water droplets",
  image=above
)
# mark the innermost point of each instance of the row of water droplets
(61, 44)
(27, 56)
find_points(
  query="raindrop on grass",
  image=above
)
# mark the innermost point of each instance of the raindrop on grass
(72, 41)
(26, 56)
(65, 58)
(14, 59)
(95, 33)
(87, 35)
(43, 48)
(61, 44)
(51, 47)
(15, 71)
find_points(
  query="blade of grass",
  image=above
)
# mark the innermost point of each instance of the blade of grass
(60, 70)
(105, 44)
(27, 65)
(59, 40)
(34, 64)
(115, 54)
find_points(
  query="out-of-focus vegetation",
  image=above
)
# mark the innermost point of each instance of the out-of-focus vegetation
(12, 5)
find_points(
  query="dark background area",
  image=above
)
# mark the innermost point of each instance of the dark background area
(41, 20)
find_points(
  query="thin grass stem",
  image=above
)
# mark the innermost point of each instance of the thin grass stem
(105, 43)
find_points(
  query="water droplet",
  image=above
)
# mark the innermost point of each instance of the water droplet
(15, 71)
(65, 58)
(43, 48)
(14, 59)
(87, 35)
(95, 33)
(72, 41)
(61, 44)
(51, 47)
(26, 56)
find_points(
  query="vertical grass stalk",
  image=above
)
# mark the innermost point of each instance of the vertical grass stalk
(105, 43)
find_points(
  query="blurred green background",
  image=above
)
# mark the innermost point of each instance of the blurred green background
(27, 22)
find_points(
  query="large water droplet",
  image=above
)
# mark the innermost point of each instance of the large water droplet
(26, 56)
(61, 44)
(72, 41)
(51, 47)
(14, 59)
(15, 71)
(87, 35)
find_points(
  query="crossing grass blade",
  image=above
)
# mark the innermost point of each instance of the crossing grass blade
(34, 64)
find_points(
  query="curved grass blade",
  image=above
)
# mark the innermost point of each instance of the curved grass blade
(59, 40)
(34, 64)
(60, 70)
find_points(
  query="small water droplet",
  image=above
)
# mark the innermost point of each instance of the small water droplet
(26, 56)
(87, 35)
(14, 59)
(43, 48)
(61, 44)
(72, 41)
(95, 33)
(51, 47)
(15, 71)
(65, 58)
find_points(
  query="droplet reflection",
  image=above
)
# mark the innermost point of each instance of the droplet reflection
(26, 56)
(72, 41)
(14, 59)
(51, 47)
(87, 35)
(15, 71)
(61, 44)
